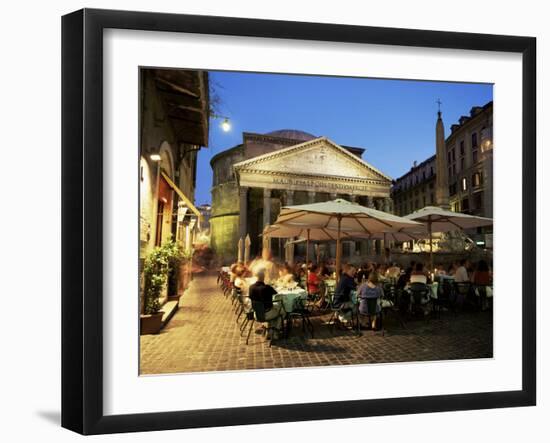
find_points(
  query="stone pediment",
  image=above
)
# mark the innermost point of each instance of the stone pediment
(318, 157)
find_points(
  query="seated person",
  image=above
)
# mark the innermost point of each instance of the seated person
(419, 275)
(369, 293)
(232, 271)
(393, 271)
(404, 278)
(313, 281)
(286, 277)
(481, 276)
(461, 274)
(242, 284)
(262, 293)
(363, 272)
(342, 294)
(324, 271)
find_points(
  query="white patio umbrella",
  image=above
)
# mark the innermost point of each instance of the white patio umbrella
(343, 216)
(246, 249)
(441, 220)
(307, 233)
(240, 250)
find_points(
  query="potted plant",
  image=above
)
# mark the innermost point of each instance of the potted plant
(175, 257)
(155, 271)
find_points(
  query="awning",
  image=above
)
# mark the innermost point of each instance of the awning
(188, 202)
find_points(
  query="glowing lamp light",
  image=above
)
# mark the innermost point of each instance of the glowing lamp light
(155, 157)
(226, 126)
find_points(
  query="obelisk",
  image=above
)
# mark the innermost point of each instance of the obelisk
(441, 178)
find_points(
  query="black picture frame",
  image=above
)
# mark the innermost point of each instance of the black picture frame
(82, 218)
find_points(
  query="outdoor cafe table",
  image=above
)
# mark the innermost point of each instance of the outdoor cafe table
(288, 297)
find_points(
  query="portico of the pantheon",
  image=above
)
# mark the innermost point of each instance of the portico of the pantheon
(253, 180)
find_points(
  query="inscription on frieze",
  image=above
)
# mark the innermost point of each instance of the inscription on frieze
(316, 184)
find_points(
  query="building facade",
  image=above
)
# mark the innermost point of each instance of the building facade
(470, 162)
(416, 188)
(174, 113)
(253, 180)
(461, 170)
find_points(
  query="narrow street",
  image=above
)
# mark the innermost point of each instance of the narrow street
(203, 336)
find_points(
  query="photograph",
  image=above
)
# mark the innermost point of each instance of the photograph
(290, 220)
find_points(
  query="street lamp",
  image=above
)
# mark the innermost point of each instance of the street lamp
(155, 157)
(226, 126)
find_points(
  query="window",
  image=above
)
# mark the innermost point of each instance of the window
(464, 184)
(462, 164)
(476, 179)
(465, 205)
(478, 201)
(462, 147)
(449, 171)
(454, 168)
(449, 157)
(431, 171)
(474, 140)
(453, 154)
(456, 207)
(452, 189)
(432, 201)
(474, 156)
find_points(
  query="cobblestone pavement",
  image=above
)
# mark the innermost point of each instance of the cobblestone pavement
(203, 336)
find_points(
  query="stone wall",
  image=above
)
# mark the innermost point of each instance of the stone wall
(224, 222)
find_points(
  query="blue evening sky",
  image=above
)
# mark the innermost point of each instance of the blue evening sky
(394, 120)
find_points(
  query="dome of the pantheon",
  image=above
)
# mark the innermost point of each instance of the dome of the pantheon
(293, 134)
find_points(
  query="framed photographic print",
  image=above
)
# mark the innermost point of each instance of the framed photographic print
(269, 221)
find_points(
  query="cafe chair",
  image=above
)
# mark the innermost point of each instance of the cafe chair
(484, 296)
(300, 311)
(373, 310)
(462, 293)
(446, 298)
(259, 317)
(420, 294)
(336, 312)
(241, 304)
(389, 304)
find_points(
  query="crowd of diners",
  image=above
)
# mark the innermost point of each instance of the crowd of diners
(262, 275)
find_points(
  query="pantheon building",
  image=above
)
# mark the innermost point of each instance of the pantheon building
(253, 180)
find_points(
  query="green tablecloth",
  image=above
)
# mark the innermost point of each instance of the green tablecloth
(288, 297)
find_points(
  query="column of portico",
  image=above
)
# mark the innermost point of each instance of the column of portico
(380, 243)
(352, 244)
(370, 243)
(332, 245)
(267, 217)
(243, 214)
(311, 251)
(289, 198)
(387, 208)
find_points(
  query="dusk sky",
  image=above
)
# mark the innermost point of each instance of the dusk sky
(394, 120)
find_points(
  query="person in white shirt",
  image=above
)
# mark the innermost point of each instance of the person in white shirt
(461, 274)
(419, 275)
